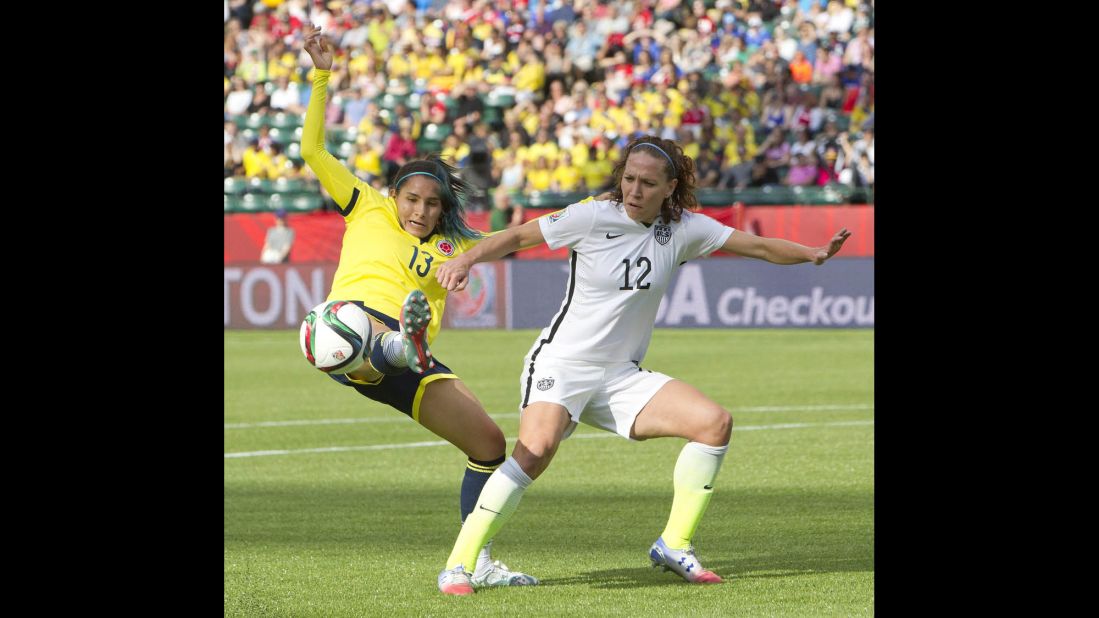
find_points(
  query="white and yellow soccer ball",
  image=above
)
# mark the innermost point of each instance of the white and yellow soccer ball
(336, 336)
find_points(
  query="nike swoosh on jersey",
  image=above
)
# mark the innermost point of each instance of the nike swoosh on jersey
(609, 237)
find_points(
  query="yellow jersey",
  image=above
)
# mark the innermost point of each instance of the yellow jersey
(380, 263)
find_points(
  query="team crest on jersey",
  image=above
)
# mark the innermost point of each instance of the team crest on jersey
(445, 248)
(545, 384)
(663, 233)
(560, 214)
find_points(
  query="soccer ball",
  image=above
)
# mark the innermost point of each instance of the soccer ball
(336, 336)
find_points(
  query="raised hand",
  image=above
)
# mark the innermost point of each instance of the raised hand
(318, 47)
(833, 246)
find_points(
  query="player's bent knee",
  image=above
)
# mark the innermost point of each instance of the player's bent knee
(534, 458)
(717, 429)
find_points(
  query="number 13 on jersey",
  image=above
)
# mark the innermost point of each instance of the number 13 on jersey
(420, 269)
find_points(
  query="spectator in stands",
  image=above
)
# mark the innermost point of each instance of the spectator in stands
(506, 213)
(775, 149)
(400, 150)
(287, 97)
(566, 177)
(737, 171)
(803, 172)
(827, 65)
(468, 106)
(833, 94)
(239, 98)
(828, 167)
(707, 169)
(803, 144)
(801, 70)
(278, 241)
(354, 107)
(540, 175)
(763, 175)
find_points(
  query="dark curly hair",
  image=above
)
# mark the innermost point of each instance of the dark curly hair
(678, 166)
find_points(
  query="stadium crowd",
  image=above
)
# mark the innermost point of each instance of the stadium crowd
(536, 96)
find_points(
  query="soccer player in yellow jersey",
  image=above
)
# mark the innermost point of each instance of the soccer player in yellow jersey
(391, 248)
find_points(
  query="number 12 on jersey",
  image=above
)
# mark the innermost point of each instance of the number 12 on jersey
(641, 261)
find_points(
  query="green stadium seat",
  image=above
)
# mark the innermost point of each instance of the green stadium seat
(259, 185)
(235, 185)
(716, 197)
(345, 150)
(293, 151)
(424, 146)
(389, 101)
(493, 99)
(276, 202)
(436, 132)
(281, 136)
(492, 115)
(253, 202)
(288, 185)
(335, 135)
(553, 199)
(304, 202)
(283, 120)
(232, 203)
(255, 121)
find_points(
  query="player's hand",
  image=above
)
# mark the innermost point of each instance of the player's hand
(453, 275)
(834, 246)
(318, 47)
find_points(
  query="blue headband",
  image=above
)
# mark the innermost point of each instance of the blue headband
(396, 186)
(661, 151)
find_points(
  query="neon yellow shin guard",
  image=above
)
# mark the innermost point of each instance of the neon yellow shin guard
(695, 471)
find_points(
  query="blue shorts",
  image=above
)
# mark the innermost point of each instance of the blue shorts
(403, 391)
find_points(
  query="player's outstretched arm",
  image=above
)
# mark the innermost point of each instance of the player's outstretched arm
(454, 275)
(332, 174)
(782, 251)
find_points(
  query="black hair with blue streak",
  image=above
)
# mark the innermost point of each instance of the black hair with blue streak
(452, 192)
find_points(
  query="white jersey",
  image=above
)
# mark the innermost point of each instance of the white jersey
(619, 270)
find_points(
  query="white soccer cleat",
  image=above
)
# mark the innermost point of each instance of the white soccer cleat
(455, 582)
(682, 562)
(497, 574)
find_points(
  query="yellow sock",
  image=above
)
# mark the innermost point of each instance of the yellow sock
(499, 499)
(695, 471)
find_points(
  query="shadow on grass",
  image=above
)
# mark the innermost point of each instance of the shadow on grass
(756, 534)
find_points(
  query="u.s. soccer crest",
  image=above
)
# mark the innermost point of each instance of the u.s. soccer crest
(663, 233)
(545, 384)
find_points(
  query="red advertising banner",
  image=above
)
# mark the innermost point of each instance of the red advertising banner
(319, 236)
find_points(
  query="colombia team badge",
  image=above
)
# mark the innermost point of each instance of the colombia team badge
(445, 248)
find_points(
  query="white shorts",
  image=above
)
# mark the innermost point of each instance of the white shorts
(605, 396)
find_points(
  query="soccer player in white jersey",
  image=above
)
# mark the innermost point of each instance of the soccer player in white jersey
(586, 365)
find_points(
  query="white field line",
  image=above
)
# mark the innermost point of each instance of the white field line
(385, 447)
(402, 419)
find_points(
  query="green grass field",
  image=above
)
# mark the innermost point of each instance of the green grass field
(335, 506)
